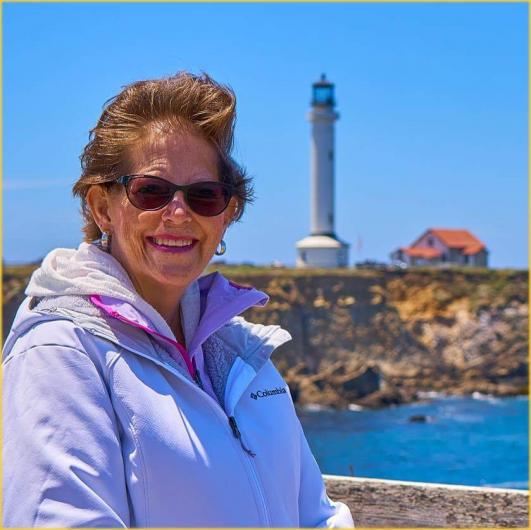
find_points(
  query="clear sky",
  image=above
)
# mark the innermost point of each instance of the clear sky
(432, 99)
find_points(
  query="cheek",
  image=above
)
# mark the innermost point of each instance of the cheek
(127, 224)
(130, 235)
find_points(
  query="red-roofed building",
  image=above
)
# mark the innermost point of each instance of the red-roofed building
(442, 246)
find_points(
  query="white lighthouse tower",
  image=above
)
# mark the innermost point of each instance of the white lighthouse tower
(322, 248)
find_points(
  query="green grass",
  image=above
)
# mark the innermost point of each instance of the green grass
(497, 278)
(498, 275)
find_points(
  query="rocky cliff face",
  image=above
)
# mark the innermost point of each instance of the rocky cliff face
(380, 337)
(373, 338)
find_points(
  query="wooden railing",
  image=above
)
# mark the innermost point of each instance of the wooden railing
(397, 504)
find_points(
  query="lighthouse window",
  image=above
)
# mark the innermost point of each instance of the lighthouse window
(330, 155)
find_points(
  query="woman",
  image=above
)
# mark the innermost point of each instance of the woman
(131, 385)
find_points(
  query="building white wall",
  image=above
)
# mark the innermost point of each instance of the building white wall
(322, 257)
(322, 170)
(437, 244)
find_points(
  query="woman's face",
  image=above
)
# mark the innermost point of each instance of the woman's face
(144, 241)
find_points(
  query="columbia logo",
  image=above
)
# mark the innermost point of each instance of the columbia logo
(266, 393)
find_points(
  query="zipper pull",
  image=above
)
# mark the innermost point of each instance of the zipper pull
(238, 436)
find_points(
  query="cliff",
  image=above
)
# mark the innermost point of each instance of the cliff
(379, 337)
(373, 338)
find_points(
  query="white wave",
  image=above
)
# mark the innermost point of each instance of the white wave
(430, 394)
(485, 397)
(314, 407)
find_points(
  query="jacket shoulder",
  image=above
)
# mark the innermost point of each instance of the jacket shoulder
(54, 332)
(254, 343)
(60, 400)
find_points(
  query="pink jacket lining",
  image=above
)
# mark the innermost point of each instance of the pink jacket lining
(97, 301)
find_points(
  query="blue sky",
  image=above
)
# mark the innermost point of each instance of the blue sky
(432, 99)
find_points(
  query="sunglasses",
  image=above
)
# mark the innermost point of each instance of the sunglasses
(207, 198)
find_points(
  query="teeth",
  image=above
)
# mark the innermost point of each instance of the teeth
(173, 242)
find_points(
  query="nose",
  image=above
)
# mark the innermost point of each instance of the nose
(177, 208)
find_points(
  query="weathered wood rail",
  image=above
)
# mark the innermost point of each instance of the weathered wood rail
(397, 504)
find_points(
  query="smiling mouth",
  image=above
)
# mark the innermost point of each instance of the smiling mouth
(172, 245)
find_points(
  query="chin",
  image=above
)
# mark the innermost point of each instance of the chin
(177, 275)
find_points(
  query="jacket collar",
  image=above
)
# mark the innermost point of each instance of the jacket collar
(209, 303)
(220, 301)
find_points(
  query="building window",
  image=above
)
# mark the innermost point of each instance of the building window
(430, 241)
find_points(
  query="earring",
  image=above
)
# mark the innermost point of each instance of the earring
(222, 248)
(105, 241)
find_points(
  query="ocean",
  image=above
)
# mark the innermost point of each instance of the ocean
(474, 441)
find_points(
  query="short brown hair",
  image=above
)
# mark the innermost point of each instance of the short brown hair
(181, 101)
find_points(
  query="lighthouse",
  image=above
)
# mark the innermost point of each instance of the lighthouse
(322, 248)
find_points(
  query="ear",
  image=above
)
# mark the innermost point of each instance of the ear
(98, 202)
(231, 211)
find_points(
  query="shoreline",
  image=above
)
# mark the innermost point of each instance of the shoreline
(427, 397)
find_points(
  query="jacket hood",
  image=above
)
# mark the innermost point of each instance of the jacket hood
(82, 271)
(89, 270)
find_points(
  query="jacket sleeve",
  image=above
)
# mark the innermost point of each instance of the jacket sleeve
(315, 508)
(62, 459)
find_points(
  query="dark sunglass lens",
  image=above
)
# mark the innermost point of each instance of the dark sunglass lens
(149, 193)
(208, 198)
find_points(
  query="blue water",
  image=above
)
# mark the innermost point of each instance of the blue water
(475, 442)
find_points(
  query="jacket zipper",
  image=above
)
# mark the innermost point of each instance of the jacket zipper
(221, 412)
(236, 433)
(260, 490)
(238, 436)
